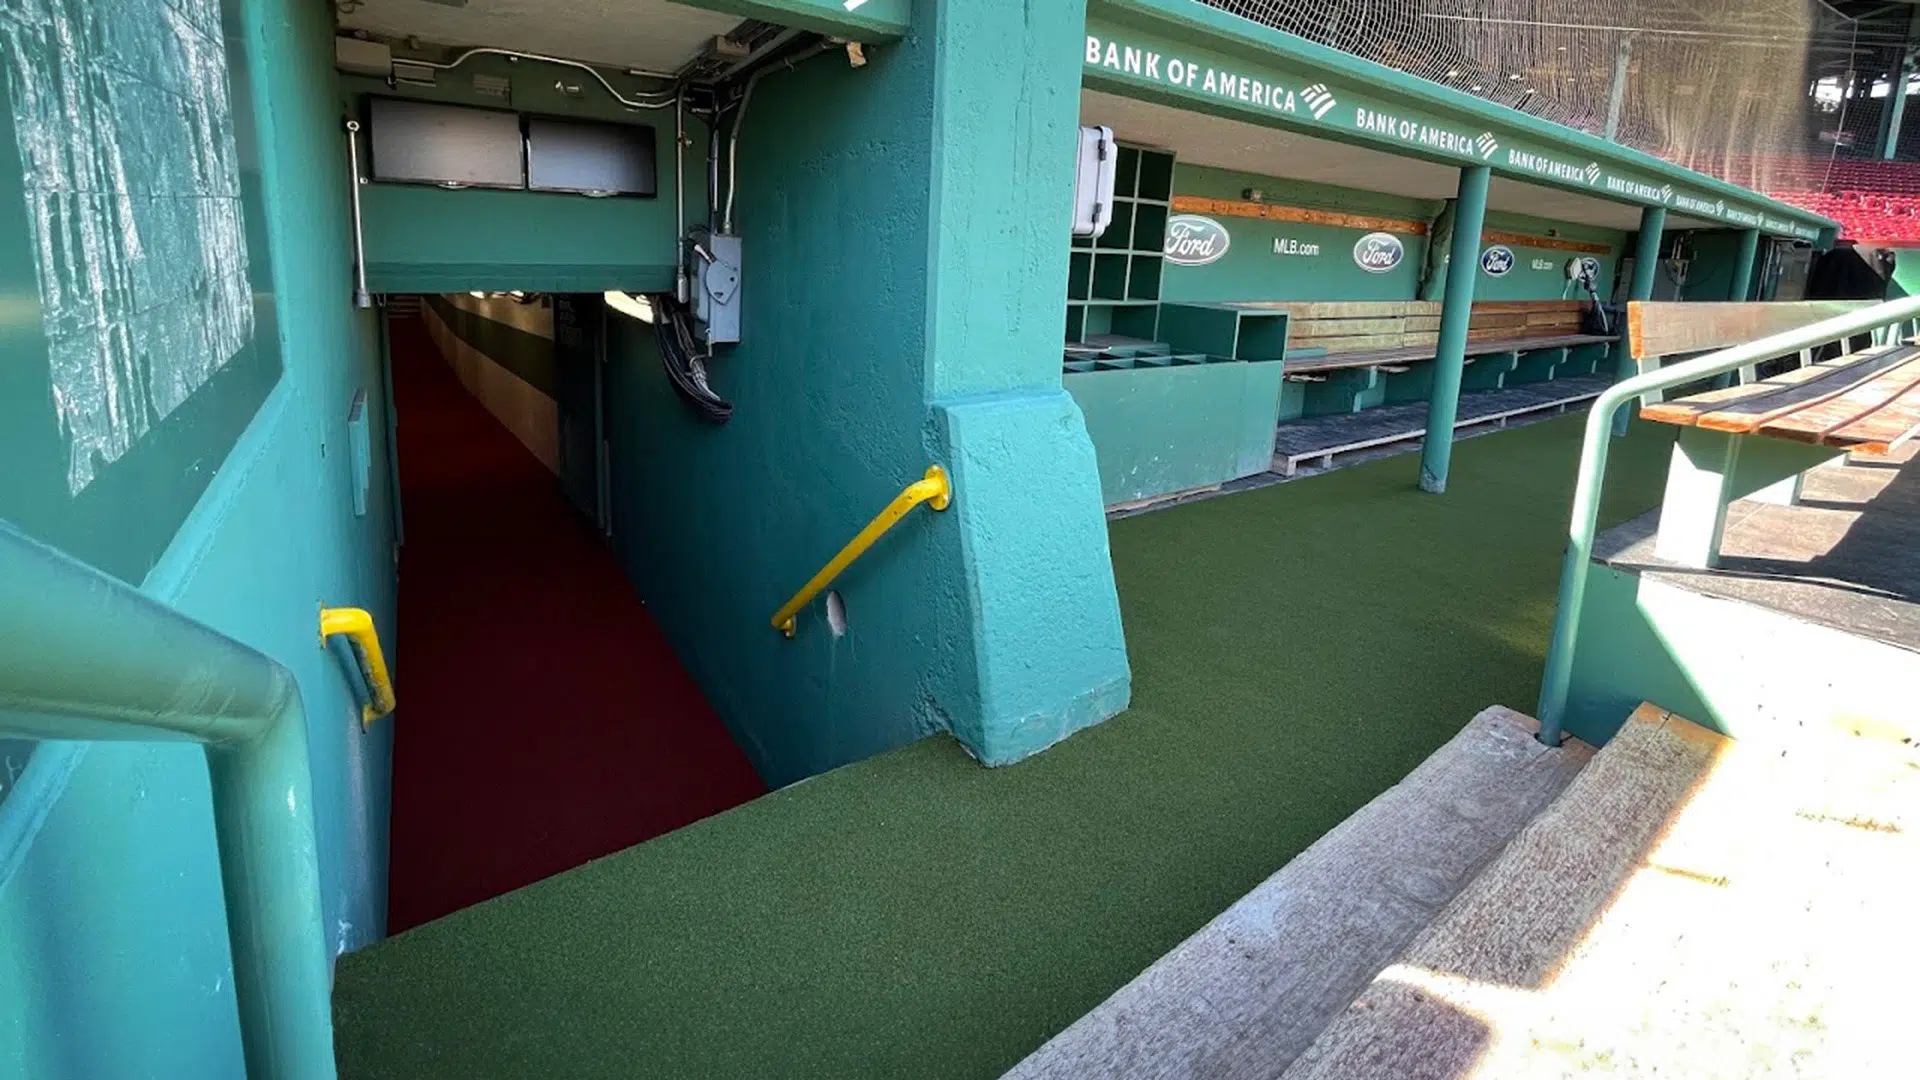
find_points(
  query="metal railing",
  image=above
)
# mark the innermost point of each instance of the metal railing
(86, 656)
(1556, 684)
(931, 488)
(357, 625)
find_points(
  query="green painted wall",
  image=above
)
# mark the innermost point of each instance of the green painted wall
(1250, 270)
(234, 502)
(1646, 640)
(421, 238)
(894, 317)
(1539, 273)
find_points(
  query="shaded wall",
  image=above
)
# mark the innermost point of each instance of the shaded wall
(226, 487)
(502, 351)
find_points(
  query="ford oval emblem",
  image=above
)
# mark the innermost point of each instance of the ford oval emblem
(1378, 252)
(1497, 260)
(1193, 240)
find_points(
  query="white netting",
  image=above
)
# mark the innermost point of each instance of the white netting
(1721, 86)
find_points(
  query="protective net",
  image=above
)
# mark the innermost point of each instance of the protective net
(1726, 87)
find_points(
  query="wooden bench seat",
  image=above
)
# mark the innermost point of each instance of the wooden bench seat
(1422, 353)
(1333, 336)
(1758, 438)
(1869, 401)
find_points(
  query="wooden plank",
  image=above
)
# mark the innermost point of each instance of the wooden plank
(1885, 431)
(1252, 989)
(1508, 307)
(1324, 328)
(1747, 414)
(1666, 328)
(1361, 342)
(1880, 411)
(1196, 204)
(1683, 411)
(1551, 243)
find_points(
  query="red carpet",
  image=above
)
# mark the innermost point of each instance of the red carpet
(543, 719)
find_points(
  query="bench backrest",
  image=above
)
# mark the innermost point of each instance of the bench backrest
(1670, 327)
(1364, 326)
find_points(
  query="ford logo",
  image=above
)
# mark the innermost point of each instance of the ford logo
(1378, 252)
(1497, 260)
(1193, 240)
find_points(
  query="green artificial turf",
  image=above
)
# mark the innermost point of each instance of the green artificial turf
(1295, 651)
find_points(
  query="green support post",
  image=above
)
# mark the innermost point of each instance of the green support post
(86, 656)
(1646, 262)
(1743, 261)
(1456, 311)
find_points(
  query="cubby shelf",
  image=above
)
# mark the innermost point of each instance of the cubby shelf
(1113, 283)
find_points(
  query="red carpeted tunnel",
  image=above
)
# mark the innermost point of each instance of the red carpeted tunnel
(544, 721)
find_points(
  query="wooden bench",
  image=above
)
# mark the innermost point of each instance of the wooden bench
(1330, 336)
(1757, 439)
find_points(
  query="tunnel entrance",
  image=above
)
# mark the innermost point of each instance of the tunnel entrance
(547, 720)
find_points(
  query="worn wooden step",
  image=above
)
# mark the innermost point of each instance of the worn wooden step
(1512, 927)
(1251, 990)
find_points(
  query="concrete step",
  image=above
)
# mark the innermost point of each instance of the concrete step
(1690, 906)
(1252, 989)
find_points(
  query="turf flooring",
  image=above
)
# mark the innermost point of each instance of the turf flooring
(1295, 650)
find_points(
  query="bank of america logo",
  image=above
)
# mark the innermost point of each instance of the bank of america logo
(1487, 144)
(1666, 192)
(1593, 173)
(1319, 99)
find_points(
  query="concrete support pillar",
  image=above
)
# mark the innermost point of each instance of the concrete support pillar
(1646, 262)
(1743, 260)
(1895, 113)
(1456, 311)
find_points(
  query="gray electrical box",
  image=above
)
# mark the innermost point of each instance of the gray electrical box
(716, 288)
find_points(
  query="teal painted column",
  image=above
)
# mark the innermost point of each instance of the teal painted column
(1743, 261)
(1456, 312)
(1046, 655)
(1646, 263)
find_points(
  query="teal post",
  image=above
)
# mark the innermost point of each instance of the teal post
(1646, 262)
(1749, 253)
(85, 656)
(1456, 311)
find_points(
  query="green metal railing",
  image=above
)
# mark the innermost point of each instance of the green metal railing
(1554, 688)
(86, 656)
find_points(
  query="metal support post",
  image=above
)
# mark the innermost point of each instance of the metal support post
(1646, 263)
(1456, 312)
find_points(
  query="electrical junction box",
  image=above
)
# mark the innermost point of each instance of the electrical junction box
(716, 289)
(357, 57)
(1093, 181)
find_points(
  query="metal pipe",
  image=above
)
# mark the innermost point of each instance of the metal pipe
(1456, 314)
(361, 298)
(86, 656)
(932, 489)
(681, 291)
(740, 119)
(1557, 681)
(1743, 261)
(1646, 263)
(660, 102)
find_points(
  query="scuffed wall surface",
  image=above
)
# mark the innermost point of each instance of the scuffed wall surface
(132, 187)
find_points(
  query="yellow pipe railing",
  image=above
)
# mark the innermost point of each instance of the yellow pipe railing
(357, 625)
(932, 488)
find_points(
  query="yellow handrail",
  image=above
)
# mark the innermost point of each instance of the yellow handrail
(358, 626)
(932, 488)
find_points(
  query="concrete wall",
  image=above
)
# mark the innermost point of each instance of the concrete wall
(901, 309)
(183, 423)
(1643, 640)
